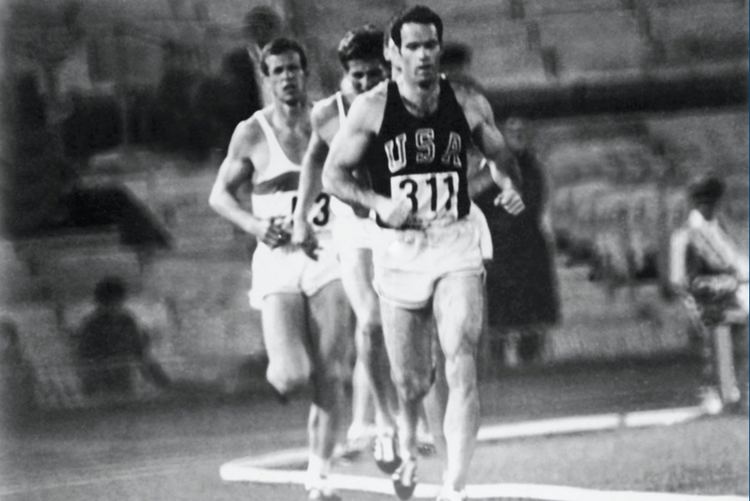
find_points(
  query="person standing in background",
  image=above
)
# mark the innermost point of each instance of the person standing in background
(522, 290)
(710, 274)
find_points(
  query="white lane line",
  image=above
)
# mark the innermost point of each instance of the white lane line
(664, 417)
(537, 492)
(540, 492)
(593, 422)
(264, 469)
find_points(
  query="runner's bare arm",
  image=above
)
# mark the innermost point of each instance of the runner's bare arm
(489, 140)
(347, 152)
(480, 179)
(310, 183)
(236, 169)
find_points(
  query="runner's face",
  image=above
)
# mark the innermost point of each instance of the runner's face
(364, 74)
(286, 77)
(420, 51)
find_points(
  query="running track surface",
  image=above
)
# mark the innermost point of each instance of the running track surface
(174, 450)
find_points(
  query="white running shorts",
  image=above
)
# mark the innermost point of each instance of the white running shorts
(289, 270)
(408, 263)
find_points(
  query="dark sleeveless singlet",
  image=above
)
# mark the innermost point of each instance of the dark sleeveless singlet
(423, 159)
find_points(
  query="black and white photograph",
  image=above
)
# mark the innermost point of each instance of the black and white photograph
(349, 250)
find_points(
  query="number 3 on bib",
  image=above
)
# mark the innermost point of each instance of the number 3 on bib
(320, 213)
(432, 196)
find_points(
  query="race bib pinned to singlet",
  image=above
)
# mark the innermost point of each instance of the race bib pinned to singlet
(320, 212)
(433, 197)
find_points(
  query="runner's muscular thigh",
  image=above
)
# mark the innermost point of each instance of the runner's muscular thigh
(458, 307)
(356, 276)
(408, 339)
(330, 328)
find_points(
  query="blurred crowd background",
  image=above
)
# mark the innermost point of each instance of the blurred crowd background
(116, 114)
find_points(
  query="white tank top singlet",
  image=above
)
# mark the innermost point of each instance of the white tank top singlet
(275, 186)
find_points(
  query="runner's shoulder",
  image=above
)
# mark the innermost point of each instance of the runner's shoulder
(369, 106)
(323, 111)
(375, 96)
(247, 134)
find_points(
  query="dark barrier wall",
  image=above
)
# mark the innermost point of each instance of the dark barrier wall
(663, 90)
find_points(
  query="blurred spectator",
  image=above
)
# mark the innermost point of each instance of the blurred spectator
(703, 247)
(223, 101)
(94, 124)
(17, 378)
(112, 344)
(710, 274)
(35, 175)
(521, 280)
(174, 96)
(455, 63)
(261, 25)
(42, 189)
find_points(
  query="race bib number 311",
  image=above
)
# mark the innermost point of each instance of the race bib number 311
(433, 196)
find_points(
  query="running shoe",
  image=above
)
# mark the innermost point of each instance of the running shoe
(317, 494)
(385, 453)
(405, 479)
(318, 489)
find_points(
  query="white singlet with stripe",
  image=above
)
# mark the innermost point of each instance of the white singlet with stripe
(275, 187)
(287, 269)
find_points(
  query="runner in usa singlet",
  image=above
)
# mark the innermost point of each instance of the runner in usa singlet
(423, 160)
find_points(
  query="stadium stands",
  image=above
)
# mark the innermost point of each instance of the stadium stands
(608, 203)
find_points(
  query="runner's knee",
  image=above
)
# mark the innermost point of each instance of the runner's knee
(372, 335)
(460, 370)
(458, 346)
(289, 378)
(412, 386)
(328, 384)
(370, 323)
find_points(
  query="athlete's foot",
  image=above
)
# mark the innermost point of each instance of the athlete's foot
(358, 439)
(405, 478)
(316, 494)
(385, 453)
(711, 400)
(319, 490)
(360, 436)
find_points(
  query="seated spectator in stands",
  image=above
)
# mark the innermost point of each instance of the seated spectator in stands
(522, 298)
(112, 344)
(16, 378)
(702, 247)
(710, 274)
